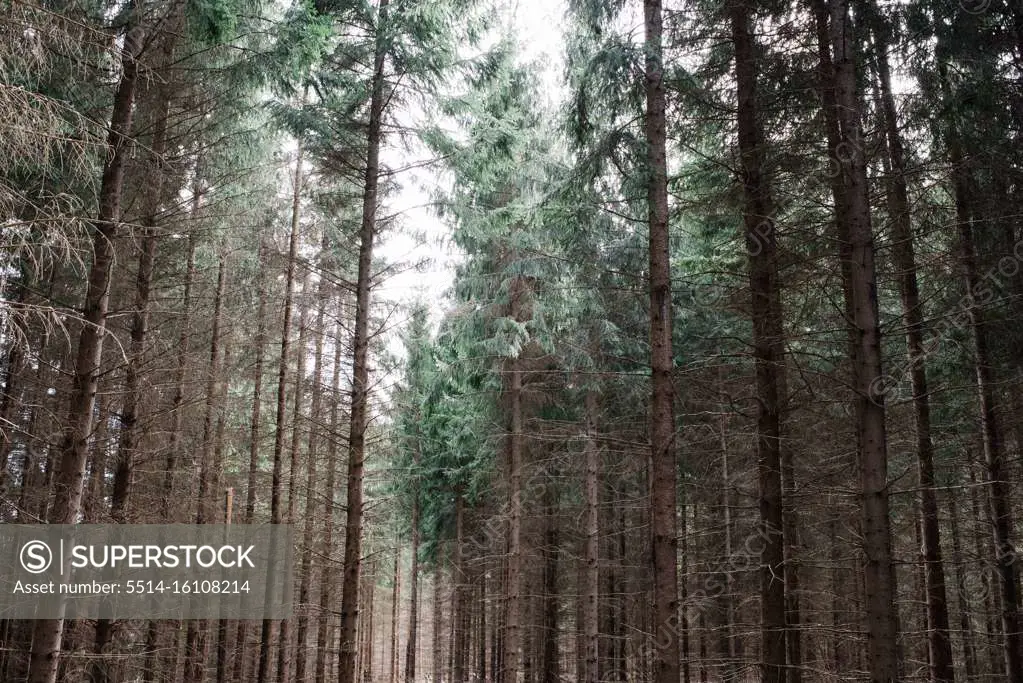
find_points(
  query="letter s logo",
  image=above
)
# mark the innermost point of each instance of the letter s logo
(36, 557)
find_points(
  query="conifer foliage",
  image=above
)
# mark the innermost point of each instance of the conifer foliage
(726, 385)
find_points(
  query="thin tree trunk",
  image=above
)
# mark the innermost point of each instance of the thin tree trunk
(69, 482)
(513, 640)
(175, 448)
(327, 542)
(284, 644)
(437, 668)
(197, 638)
(255, 437)
(277, 482)
(727, 643)
(591, 589)
(395, 595)
(939, 642)
(1000, 490)
(312, 451)
(128, 441)
(550, 635)
(662, 413)
(840, 646)
(761, 245)
(360, 365)
(458, 644)
(365, 663)
(223, 646)
(413, 623)
(965, 612)
(882, 623)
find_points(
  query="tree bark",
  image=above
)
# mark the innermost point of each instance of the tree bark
(882, 625)
(965, 620)
(392, 672)
(284, 644)
(662, 414)
(999, 490)
(939, 642)
(512, 641)
(550, 635)
(768, 345)
(69, 482)
(591, 587)
(360, 365)
(255, 437)
(312, 451)
(327, 542)
(197, 638)
(277, 479)
(413, 623)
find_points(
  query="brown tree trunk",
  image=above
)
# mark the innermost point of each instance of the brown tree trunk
(174, 451)
(197, 638)
(413, 623)
(327, 542)
(360, 365)
(1000, 490)
(284, 644)
(458, 641)
(882, 624)
(662, 414)
(793, 618)
(437, 667)
(277, 481)
(550, 652)
(255, 437)
(591, 585)
(768, 340)
(965, 619)
(392, 672)
(69, 482)
(223, 646)
(939, 642)
(512, 641)
(312, 451)
(365, 659)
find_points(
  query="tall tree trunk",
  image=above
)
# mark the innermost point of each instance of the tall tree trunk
(882, 623)
(392, 673)
(197, 638)
(255, 437)
(513, 641)
(939, 642)
(69, 482)
(312, 451)
(413, 615)
(360, 364)
(223, 646)
(436, 671)
(662, 414)
(284, 644)
(768, 340)
(727, 635)
(277, 481)
(458, 644)
(591, 586)
(327, 541)
(999, 491)
(550, 635)
(965, 612)
(175, 449)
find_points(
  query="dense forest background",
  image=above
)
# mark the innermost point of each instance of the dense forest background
(727, 386)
